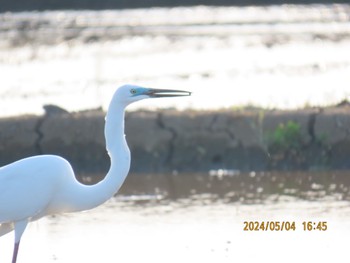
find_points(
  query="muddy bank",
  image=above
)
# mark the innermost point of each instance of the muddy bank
(167, 141)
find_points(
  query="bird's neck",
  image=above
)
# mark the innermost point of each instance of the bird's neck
(117, 149)
(94, 195)
(114, 130)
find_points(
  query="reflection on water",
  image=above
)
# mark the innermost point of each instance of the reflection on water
(234, 186)
(201, 220)
(303, 48)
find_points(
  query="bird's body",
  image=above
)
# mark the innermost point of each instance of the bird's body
(32, 191)
(45, 184)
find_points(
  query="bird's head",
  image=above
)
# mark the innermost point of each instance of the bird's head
(130, 93)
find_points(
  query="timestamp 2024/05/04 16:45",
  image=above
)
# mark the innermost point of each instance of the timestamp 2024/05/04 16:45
(284, 226)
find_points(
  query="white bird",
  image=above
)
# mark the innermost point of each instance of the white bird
(45, 184)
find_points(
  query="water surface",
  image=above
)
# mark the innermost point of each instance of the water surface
(198, 227)
(228, 56)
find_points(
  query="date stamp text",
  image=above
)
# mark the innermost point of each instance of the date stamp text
(285, 226)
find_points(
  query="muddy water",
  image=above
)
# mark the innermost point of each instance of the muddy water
(230, 186)
(201, 227)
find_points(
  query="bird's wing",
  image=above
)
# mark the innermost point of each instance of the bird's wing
(26, 188)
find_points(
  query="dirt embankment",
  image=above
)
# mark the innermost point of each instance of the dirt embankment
(161, 142)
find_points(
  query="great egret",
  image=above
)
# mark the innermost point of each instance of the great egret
(45, 184)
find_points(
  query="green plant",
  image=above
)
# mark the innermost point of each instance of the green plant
(285, 137)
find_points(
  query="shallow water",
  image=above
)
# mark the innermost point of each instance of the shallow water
(199, 227)
(233, 186)
(228, 56)
(174, 233)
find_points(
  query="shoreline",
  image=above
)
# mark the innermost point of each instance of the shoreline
(313, 139)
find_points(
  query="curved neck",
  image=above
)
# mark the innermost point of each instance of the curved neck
(114, 130)
(90, 196)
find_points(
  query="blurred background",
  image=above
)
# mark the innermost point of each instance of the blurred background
(265, 135)
(228, 56)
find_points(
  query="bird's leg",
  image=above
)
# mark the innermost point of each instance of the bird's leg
(15, 252)
(20, 226)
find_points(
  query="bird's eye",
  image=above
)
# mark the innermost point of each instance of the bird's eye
(133, 91)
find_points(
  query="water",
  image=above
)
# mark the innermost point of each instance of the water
(202, 226)
(228, 56)
(173, 232)
(232, 186)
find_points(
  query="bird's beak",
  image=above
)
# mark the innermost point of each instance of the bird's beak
(162, 93)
